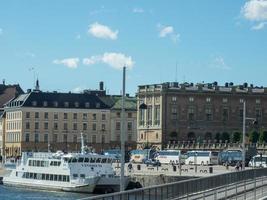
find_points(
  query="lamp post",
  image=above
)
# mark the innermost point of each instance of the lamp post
(195, 161)
(142, 108)
(244, 134)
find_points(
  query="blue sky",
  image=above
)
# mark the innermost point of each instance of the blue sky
(73, 44)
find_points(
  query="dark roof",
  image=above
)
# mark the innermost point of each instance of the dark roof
(8, 92)
(115, 102)
(48, 99)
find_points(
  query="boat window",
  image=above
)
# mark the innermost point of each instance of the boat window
(51, 177)
(30, 162)
(92, 160)
(82, 175)
(73, 160)
(16, 173)
(104, 160)
(43, 176)
(80, 159)
(59, 177)
(103, 175)
(66, 159)
(47, 177)
(34, 163)
(68, 178)
(35, 176)
(64, 178)
(55, 177)
(86, 159)
(98, 160)
(42, 163)
(58, 163)
(38, 163)
(109, 160)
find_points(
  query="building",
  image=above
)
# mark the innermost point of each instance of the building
(38, 121)
(187, 112)
(7, 93)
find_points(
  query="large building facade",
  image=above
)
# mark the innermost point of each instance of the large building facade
(38, 121)
(187, 112)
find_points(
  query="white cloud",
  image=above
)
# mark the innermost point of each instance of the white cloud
(115, 60)
(69, 62)
(219, 63)
(102, 31)
(168, 31)
(78, 89)
(255, 10)
(259, 26)
(138, 10)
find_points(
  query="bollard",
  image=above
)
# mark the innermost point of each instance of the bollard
(211, 170)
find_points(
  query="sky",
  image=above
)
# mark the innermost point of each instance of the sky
(71, 45)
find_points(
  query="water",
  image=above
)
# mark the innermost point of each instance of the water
(12, 193)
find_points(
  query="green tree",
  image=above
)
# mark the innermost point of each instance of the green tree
(237, 136)
(225, 136)
(253, 136)
(217, 137)
(263, 137)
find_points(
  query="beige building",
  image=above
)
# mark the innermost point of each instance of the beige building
(38, 121)
(187, 112)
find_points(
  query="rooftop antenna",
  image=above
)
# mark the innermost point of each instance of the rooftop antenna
(34, 75)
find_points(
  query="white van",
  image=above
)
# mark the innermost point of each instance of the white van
(258, 161)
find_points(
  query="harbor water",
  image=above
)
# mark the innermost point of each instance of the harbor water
(12, 193)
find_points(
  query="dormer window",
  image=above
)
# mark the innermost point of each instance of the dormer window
(45, 103)
(66, 104)
(241, 100)
(97, 105)
(191, 99)
(76, 104)
(34, 103)
(87, 105)
(258, 101)
(225, 100)
(208, 99)
(55, 104)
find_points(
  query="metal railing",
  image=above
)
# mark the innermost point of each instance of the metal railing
(206, 186)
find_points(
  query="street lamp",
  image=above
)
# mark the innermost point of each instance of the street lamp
(195, 161)
(143, 107)
(244, 133)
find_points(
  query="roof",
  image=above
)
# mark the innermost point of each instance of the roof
(115, 102)
(58, 100)
(9, 92)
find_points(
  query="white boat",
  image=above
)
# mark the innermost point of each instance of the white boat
(74, 172)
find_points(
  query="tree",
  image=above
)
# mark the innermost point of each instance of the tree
(208, 136)
(253, 136)
(225, 136)
(236, 137)
(263, 137)
(217, 137)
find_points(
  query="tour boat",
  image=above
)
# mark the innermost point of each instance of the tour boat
(74, 172)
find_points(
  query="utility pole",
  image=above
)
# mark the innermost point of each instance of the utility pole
(244, 136)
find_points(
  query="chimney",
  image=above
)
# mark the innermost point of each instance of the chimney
(4, 81)
(29, 90)
(37, 87)
(101, 85)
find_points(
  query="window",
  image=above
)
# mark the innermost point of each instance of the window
(66, 104)
(84, 116)
(191, 114)
(55, 126)
(46, 137)
(103, 139)
(55, 138)
(141, 117)
(241, 100)
(36, 115)
(65, 126)
(174, 99)
(103, 116)
(94, 139)
(174, 113)
(118, 114)
(46, 125)
(191, 99)
(129, 126)
(225, 114)
(130, 115)
(258, 101)
(74, 115)
(36, 137)
(87, 105)
(208, 114)
(129, 137)
(55, 104)
(45, 103)
(157, 115)
(27, 137)
(34, 103)
(65, 115)
(84, 126)
(74, 138)
(55, 116)
(28, 125)
(74, 126)
(76, 104)
(258, 114)
(46, 115)
(36, 125)
(103, 127)
(65, 138)
(97, 105)
(208, 100)
(28, 115)
(94, 116)
(118, 126)
(224, 100)
(94, 127)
